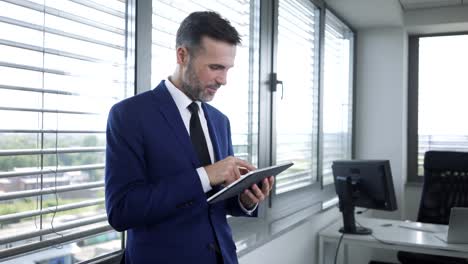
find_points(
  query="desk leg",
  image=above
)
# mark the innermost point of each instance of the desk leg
(344, 257)
(321, 251)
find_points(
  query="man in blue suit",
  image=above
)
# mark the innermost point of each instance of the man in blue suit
(167, 149)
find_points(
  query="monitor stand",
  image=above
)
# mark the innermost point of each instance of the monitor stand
(347, 207)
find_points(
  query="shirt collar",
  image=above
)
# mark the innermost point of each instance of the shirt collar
(181, 100)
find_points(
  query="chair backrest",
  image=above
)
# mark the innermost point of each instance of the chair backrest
(445, 185)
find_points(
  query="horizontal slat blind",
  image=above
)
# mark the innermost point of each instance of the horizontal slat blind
(63, 65)
(297, 104)
(337, 94)
(239, 98)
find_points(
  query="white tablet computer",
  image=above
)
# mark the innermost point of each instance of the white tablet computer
(246, 181)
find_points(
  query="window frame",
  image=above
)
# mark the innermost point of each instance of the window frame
(280, 205)
(50, 244)
(352, 64)
(413, 104)
(277, 205)
(139, 30)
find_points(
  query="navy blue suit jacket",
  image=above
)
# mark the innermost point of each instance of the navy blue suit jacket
(152, 187)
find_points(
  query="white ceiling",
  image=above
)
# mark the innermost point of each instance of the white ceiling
(368, 13)
(424, 4)
(390, 13)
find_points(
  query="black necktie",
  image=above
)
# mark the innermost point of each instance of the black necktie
(198, 137)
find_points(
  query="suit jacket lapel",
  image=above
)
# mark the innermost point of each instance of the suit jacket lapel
(170, 112)
(212, 131)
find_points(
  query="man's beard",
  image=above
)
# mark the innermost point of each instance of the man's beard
(191, 85)
(193, 88)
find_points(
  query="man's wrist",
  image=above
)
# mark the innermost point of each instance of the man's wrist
(204, 179)
(245, 208)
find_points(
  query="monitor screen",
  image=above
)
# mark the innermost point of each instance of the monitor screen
(363, 183)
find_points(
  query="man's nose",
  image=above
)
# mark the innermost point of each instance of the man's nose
(221, 79)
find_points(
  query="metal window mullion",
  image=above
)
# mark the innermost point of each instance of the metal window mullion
(50, 190)
(51, 131)
(46, 231)
(50, 171)
(17, 152)
(31, 247)
(66, 15)
(52, 209)
(57, 32)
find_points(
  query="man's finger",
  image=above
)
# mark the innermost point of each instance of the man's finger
(245, 164)
(271, 179)
(237, 173)
(251, 196)
(265, 186)
(243, 170)
(258, 193)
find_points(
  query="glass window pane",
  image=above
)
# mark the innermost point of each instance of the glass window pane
(337, 94)
(442, 94)
(239, 98)
(297, 99)
(61, 73)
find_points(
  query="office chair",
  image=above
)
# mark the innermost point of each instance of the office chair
(445, 186)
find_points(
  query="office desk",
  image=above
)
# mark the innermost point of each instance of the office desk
(387, 234)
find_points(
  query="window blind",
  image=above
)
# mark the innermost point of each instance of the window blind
(337, 94)
(297, 104)
(63, 65)
(239, 98)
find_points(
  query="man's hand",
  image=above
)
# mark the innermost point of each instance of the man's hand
(250, 197)
(227, 170)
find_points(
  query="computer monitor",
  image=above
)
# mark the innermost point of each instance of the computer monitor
(363, 183)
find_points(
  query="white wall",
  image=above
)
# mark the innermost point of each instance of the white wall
(298, 246)
(413, 197)
(381, 101)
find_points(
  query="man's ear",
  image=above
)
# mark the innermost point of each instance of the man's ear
(182, 56)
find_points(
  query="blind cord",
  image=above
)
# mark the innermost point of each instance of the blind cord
(58, 246)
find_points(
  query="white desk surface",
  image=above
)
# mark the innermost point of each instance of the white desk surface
(390, 235)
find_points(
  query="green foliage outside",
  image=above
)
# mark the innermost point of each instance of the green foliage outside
(31, 141)
(31, 204)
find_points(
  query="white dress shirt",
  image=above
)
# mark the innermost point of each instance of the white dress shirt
(182, 101)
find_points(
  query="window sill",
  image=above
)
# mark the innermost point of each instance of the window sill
(251, 233)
